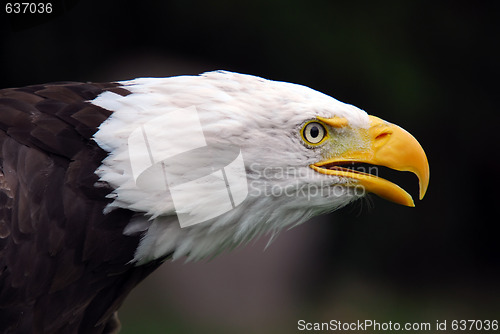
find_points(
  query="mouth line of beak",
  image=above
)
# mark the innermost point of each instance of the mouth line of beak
(370, 182)
(386, 146)
(350, 167)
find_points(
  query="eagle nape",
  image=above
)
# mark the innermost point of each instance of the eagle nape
(100, 183)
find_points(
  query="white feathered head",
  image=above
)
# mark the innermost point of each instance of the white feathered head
(211, 161)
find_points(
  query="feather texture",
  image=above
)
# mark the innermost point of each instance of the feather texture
(63, 263)
(90, 176)
(262, 118)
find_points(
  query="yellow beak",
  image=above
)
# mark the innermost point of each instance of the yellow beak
(390, 146)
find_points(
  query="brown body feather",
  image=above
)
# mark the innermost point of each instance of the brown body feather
(64, 265)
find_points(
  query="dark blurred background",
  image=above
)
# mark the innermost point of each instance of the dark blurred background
(431, 67)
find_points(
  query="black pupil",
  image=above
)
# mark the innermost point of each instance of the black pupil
(314, 131)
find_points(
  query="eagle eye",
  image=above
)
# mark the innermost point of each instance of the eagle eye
(313, 133)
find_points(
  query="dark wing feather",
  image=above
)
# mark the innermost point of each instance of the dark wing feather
(64, 265)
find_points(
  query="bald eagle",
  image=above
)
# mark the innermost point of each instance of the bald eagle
(100, 183)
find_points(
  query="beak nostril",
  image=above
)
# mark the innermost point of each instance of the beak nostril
(383, 135)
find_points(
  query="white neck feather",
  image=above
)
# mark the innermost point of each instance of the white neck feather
(257, 116)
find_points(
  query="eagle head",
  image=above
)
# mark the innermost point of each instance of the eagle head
(209, 162)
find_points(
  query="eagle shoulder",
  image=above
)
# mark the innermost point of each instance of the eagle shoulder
(64, 264)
